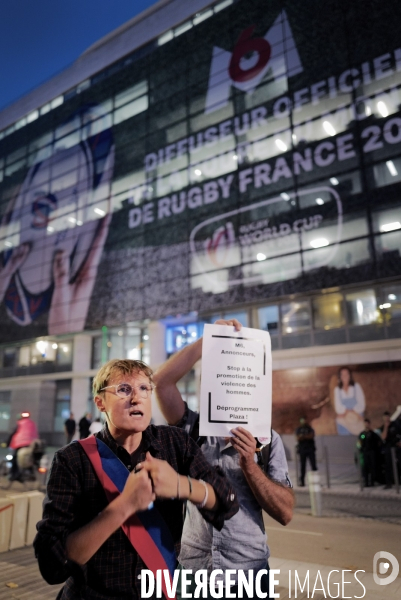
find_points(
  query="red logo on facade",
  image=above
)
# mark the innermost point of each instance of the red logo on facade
(245, 46)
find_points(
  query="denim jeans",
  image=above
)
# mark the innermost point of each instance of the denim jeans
(264, 587)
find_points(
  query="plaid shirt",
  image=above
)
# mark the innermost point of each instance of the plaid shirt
(75, 497)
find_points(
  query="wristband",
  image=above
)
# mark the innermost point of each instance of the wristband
(203, 503)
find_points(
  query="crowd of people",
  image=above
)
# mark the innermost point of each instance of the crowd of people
(376, 449)
(86, 426)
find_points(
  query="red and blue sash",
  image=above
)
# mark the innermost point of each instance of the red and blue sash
(147, 531)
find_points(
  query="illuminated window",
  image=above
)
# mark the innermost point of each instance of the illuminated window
(295, 317)
(268, 318)
(362, 307)
(328, 311)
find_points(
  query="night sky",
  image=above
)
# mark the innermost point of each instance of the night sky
(39, 38)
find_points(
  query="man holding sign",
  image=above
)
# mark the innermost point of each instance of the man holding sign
(241, 544)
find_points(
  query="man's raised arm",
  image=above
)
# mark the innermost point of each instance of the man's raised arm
(169, 374)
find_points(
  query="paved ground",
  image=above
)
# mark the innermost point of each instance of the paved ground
(308, 544)
(19, 567)
(355, 525)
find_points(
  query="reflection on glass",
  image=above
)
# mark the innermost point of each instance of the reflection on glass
(328, 311)
(62, 404)
(5, 405)
(362, 307)
(295, 317)
(242, 317)
(388, 172)
(179, 336)
(392, 301)
(268, 318)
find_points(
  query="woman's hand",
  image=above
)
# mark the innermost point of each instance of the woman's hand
(164, 478)
(137, 493)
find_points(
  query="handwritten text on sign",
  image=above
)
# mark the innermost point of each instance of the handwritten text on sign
(236, 387)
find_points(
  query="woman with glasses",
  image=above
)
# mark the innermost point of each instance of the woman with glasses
(115, 501)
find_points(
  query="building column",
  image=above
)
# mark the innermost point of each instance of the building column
(157, 356)
(80, 384)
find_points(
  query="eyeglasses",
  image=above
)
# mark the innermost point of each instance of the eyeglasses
(125, 390)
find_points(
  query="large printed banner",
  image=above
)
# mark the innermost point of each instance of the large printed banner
(335, 400)
(119, 213)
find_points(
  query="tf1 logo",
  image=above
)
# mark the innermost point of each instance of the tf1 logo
(251, 59)
(381, 565)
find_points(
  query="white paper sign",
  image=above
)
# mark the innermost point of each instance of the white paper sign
(236, 384)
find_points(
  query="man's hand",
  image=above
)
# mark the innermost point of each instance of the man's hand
(245, 444)
(138, 492)
(232, 322)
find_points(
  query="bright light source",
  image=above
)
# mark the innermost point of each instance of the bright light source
(294, 137)
(41, 345)
(382, 108)
(8, 244)
(65, 349)
(198, 172)
(145, 337)
(281, 145)
(134, 354)
(260, 256)
(235, 157)
(390, 226)
(50, 229)
(368, 110)
(285, 196)
(319, 201)
(193, 334)
(391, 167)
(54, 346)
(99, 211)
(319, 243)
(9, 457)
(42, 470)
(334, 181)
(288, 329)
(392, 297)
(79, 223)
(328, 127)
(385, 305)
(72, 219)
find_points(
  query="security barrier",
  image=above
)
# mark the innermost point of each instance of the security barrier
(19, 514)
(6, 518)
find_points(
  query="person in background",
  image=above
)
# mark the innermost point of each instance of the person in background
(369, 444)
(69, 428)
(306, 447)
(84, 426)
(22, 436)
(349, 403)
(96, 426)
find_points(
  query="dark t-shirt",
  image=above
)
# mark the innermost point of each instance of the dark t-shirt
(305, 445)
(70, 426)
(370, 441)
(84, 425)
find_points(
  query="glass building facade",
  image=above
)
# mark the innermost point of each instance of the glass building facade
(246, 161)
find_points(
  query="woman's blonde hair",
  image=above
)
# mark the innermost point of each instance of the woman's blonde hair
(120, 366)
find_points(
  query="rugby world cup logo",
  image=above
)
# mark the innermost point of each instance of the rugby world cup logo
(273, 56)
